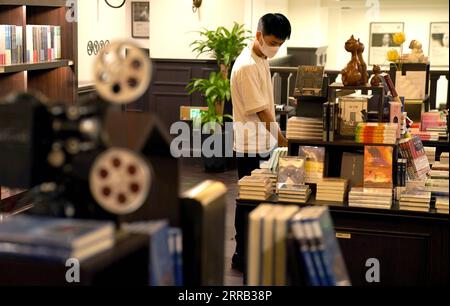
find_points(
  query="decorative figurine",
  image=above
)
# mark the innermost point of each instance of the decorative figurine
(351, 75)
(416, 55)
(362, 64)
(376, 79)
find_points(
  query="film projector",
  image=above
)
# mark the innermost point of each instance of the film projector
(92, 160)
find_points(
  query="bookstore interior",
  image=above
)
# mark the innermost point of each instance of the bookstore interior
(106, 170)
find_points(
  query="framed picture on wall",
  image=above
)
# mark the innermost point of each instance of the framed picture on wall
(381, 41)
(140, 19)
(438, 44)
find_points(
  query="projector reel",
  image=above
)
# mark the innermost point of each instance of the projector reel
(122, 72)
(120, 181)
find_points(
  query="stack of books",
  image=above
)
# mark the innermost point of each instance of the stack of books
(378, 133)
(425, 135)
(417, 162)
(295, 246)
(437, 187)
(433, 122)
(444, 158)
(272, 176)
(438, 174)
(53, 238)
(431, 154)
(441, 205)
(11, 45)
(370, 197)
(332, 189)
(415, 200)
(293, 193)
(255, 188)
(440, 166)
(304, 128)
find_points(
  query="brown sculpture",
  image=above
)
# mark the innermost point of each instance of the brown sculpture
(376, 79)
(351, 75)
(362, 65)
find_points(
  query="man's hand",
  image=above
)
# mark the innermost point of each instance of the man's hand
(282, 141)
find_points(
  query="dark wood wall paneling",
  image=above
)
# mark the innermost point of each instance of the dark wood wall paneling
(167, 91)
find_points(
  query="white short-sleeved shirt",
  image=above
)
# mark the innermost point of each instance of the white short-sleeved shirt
(251, 92)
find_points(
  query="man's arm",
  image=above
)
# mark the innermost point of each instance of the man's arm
(266, 116)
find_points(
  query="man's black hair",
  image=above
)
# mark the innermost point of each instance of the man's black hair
(275, 24)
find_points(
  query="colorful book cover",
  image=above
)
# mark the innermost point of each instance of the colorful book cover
(314, 162)
(378, 167)
(291, 170)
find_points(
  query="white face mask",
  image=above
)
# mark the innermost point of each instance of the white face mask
(269, 51)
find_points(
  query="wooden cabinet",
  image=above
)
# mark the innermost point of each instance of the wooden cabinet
(411, 247)
(55, 79)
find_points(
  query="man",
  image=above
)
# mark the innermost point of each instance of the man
(386, 40)
(253, 106)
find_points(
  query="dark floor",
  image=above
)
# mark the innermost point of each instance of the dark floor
(192, 172)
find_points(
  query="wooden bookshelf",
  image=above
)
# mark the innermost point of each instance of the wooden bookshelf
(57, 79)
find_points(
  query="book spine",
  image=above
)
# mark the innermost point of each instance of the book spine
(13, 45)
(2, 44)
(332, 119)
(8, 45)
(325, 118)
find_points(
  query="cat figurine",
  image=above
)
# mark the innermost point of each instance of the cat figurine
(351, 75)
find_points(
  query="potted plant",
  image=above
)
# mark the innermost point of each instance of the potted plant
(225, 46)
(216, 91)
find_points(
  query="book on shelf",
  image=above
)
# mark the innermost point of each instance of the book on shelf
(370, 197)
(320, 252)
(440, 166)
(176, 251)
(352, 168)
(304, 128)
(371, 132)
(288, 245)
(350, 113)
(332, 189)
(43, 43)
(291, 170)
(309, 81)
(443, 158)
(417, 162)
(55, 238)
(255, 246)
(161, 263)
(255, 187)
(414, 200)
(314, 162)
(441, 204)
(11, 45)
(272, 163)
(378, 167)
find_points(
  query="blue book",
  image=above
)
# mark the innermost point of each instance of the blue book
(176, 249)
(300, 235)
(161, 265)
(316, 253)
(334, 264)
(54, 237)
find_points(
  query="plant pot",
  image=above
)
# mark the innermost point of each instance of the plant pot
(217, 163)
